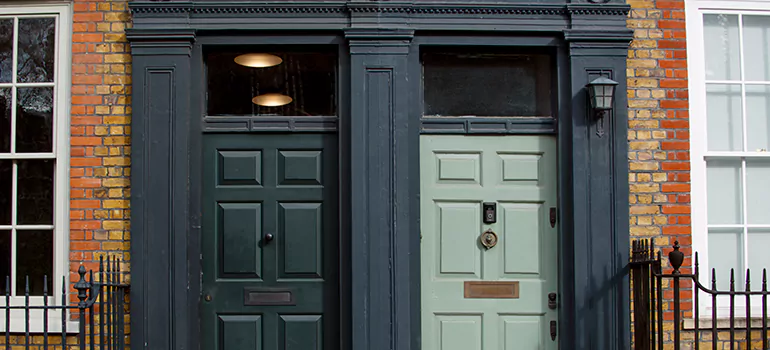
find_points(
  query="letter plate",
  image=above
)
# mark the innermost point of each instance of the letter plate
(260, 296)
(491, 290)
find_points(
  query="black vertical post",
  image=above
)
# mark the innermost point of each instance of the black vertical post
(101, 300)
(732, 309)
(384, 164)
(748, 309)
(26, 312)
(108, 286)
(8, 309)
(659, 271)
(45, 312)
(64, 312)
(82, 286)
(92, 302)
(651, 268)
(676, 258)
(696, 291)
(714, 334)
(764, 308)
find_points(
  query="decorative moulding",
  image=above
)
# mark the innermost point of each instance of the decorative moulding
(157, 7)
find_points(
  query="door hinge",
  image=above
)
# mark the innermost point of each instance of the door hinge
(553, 330)
(553, 217)
(552, 301)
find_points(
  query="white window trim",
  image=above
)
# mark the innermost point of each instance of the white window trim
(61, 145)
(696, 63)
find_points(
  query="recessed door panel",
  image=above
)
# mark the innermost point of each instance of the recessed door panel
(239, 332)
(457, 247)
(270, 242)
(301, 232)
(485, 282)
(239, 231)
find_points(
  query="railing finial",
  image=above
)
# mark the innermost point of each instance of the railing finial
(676, 258)
(82, 286)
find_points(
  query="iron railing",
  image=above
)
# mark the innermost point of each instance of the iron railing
(650, 314)
(102, 298)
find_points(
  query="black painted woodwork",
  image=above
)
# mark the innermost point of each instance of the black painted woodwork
(270, 242)
(379, 126)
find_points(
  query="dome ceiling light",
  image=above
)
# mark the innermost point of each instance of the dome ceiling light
(272, 100)
(258, 60)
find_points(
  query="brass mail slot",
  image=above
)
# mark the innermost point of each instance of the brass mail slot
(259, 296)
(492, 290)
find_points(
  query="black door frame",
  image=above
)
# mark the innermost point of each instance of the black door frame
(379, 163)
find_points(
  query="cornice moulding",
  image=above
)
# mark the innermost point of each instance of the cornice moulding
(159, 8)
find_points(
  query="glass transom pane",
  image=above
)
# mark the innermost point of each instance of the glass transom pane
(296, 84)
(456, 84)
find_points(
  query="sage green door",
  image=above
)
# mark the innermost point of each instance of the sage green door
(270, 242)
(475, 298)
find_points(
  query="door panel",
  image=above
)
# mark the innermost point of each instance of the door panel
(458, 175)
(278, 292)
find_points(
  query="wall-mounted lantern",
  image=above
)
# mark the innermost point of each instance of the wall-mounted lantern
(601, 92)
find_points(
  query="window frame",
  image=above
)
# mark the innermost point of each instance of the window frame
(696, 67)
(60, 154)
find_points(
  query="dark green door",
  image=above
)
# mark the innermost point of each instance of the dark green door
(270, 242)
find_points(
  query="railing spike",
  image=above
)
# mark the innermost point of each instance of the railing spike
(713, 278)
(697, 265)
(732, 280)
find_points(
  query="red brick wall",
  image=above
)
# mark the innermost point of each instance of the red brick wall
(100, 134)
(659, 168)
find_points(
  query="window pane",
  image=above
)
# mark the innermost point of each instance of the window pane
(722, 47)
(35, 192)
(5, 120)
(6, 50)
(309, 78)
(756, 45)
(458, 84)
(5, 258)
(758, 191)
(6, 178)
(725, 253)
(37, 45)
(724, 194)
(758, 117)
(34, 258)
(724, 122)
(759, 241)
(34, 120)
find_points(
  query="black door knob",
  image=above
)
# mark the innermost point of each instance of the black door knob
(268, 237)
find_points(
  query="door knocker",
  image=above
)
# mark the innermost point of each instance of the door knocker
(488, 239)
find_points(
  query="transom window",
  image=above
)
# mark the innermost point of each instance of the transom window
(729, 59)
(456, 83)
(33, 148)
(270, 82)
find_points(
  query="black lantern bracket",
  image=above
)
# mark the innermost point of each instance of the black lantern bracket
(601, 93)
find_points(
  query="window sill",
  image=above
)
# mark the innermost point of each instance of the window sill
(722, 323)
(36, 325)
